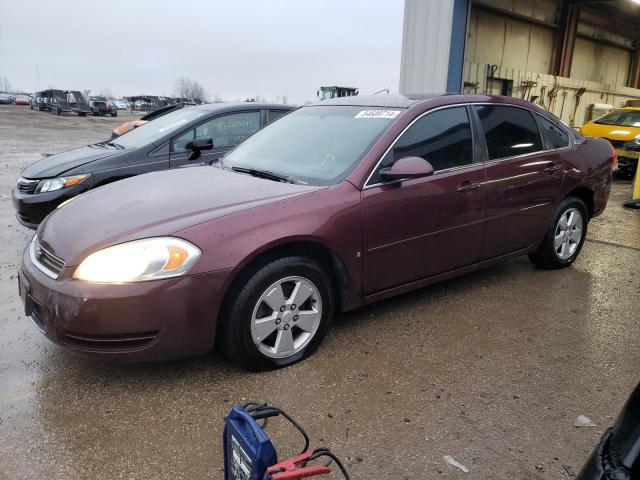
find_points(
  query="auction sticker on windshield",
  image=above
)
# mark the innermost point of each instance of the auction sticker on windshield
(378, 114)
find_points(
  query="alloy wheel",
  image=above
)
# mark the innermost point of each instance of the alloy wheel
(568, 233)
(286, 317)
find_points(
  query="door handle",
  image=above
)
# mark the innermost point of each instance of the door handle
(553, 168)
(468, 187)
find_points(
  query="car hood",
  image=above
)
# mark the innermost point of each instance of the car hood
(611, 132)
(155, 204)
(56, 165)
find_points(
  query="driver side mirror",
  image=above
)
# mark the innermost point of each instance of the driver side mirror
(407, 168)
(197, 145)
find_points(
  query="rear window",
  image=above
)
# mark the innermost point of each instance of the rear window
(510, 131)
(273, 114)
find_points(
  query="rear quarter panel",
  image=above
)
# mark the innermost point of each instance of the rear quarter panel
(588, 165)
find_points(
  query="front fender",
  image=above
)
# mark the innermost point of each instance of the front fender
(330, 217)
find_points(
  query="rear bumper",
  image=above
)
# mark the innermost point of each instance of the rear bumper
(143, 321)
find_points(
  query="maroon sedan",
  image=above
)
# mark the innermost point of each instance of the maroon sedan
(336, 205)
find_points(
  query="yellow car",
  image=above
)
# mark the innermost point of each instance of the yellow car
(622, 129)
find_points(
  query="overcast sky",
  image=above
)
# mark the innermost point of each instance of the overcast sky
(234, 48)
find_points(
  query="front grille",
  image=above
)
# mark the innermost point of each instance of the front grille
(27, 186)
(617, 143)
(45, 261)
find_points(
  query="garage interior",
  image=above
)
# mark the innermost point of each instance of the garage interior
(577, 58)
(491, 368)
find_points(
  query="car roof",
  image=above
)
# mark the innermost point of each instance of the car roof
(425, 100)
(393, 100)
(242, 106)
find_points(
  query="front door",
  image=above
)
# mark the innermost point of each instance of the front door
(226, 131)
(524, 174)
(418, 228)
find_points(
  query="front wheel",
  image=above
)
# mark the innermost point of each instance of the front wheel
(565, 236)
(277, 315)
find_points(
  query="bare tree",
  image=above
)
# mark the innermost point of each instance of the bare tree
(283, 98)
(106, 93)
(5, 85)
(187, 88)
(86, 93)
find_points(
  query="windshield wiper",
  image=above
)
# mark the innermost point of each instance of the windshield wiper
(109, 144)
(264, 174)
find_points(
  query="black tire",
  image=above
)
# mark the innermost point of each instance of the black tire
(234, 335)
(114, 114)
(547, 256)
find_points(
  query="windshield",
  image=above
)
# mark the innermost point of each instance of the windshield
(317, 145)
(623, 118)
(159, 127)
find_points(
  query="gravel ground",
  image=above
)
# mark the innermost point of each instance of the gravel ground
(491, 368)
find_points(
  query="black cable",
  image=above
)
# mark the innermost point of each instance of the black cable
(325, 452)
(263, 411)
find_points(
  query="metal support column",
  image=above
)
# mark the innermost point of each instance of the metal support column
(566, 40)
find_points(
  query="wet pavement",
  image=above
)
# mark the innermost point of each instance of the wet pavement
(491, 368)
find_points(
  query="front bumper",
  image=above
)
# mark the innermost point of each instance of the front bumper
(32, 208)
(145, 321)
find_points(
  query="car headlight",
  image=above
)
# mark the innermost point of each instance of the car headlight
(57, 183)
(139, 260)
(637, 139)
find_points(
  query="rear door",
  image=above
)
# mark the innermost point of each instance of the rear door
(419, 228)
(226, 131)
(524, 176)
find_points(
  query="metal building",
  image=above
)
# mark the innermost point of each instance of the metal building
(577, 58)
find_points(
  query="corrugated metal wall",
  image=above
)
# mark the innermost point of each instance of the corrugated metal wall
(426, 35)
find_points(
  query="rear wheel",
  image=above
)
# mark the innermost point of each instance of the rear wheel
(565, 235)
(277, 315)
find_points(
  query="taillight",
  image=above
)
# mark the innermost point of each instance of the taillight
(614, 158)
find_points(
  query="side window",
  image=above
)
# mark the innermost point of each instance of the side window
(509, 131)
(163, 150)
(274, 114)
(554, 136)
(230, 130)
(180, 142)
(443, 138)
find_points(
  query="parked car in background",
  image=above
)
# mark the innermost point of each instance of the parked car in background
(22, 100)
(101, 106)
(120, 104)
(6, 99)
(162, 144)
(622, 128)
(130, 125)
(336, 205)
(617, 457)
